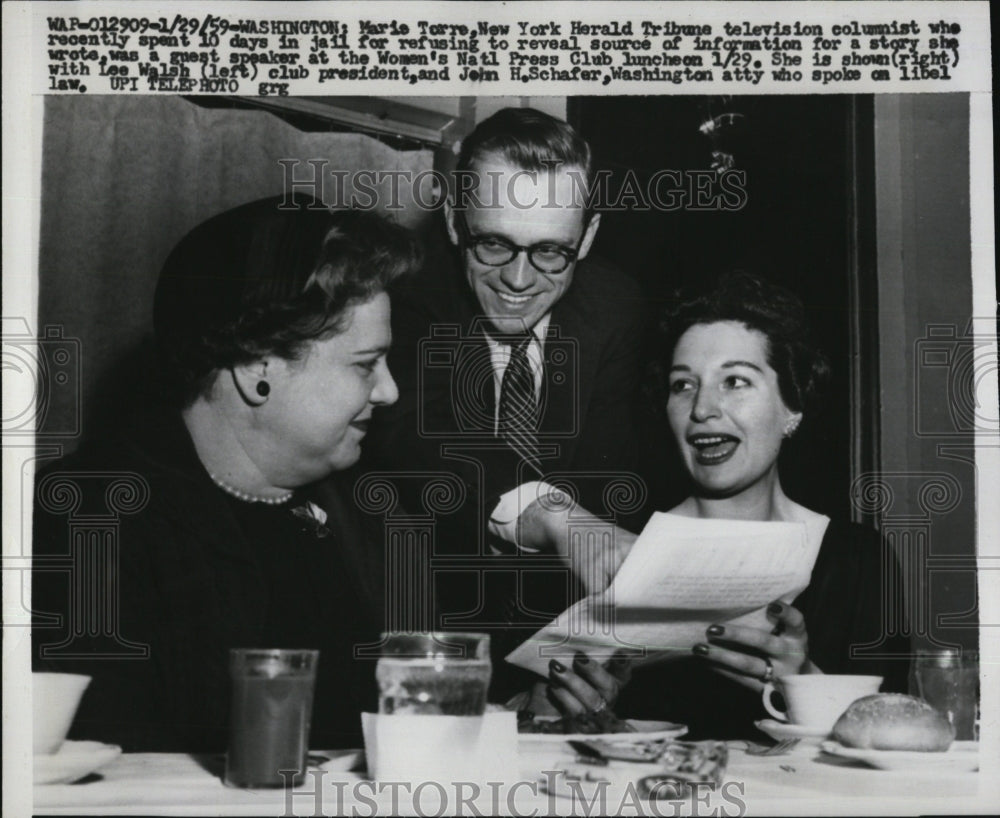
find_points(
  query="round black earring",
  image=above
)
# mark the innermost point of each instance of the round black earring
(263, 388)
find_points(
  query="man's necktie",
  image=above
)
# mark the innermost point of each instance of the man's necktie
(518, 411)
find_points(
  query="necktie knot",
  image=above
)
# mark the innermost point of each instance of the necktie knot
(517, 341)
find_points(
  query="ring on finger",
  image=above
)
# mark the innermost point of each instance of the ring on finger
(600, 707)
(768, 671)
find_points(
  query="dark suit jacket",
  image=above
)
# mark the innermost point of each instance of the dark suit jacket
(441, 363)
(444, 421)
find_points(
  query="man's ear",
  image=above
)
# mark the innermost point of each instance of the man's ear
(588, 235)
(449, 220)
(248, 377)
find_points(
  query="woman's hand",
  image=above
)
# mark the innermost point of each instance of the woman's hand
(556, 523)
(756, 654)
(587, 686)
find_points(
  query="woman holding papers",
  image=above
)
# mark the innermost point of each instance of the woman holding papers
(738, 376)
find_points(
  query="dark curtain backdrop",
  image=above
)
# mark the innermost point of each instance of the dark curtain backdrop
(792, 228)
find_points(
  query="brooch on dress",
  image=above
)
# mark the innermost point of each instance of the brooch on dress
(313, 519)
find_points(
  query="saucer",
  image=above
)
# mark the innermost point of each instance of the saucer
(72, 761)
(642, 731)
(340, 761)
(779, 730)
(961, 757)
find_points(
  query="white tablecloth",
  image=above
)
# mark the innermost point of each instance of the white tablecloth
(802, 782)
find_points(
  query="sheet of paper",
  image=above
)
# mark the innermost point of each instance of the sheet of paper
(682, 575)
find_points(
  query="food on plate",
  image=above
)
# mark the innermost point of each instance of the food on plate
(893, 721)
(686, 764)
(585, 723)
(671, 770)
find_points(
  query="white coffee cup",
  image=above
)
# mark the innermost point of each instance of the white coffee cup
(54, 700)
(816, 700)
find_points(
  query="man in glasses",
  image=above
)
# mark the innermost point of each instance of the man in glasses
(516, 358)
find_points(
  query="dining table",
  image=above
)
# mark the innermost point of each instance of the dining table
(800, 780)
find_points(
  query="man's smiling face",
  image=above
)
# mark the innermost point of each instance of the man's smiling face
(528, 209)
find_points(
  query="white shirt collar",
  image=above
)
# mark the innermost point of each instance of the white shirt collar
(540, 330)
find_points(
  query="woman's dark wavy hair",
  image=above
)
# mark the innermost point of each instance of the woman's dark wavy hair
(267, 278)
(759, 305)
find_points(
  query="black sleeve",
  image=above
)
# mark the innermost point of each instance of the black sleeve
(854, 609)
(608, 442)
(101, 607)
(108, 631)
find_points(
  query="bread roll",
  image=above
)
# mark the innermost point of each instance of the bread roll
(892, 721)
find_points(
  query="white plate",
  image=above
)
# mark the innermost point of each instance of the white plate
(779, 730)
(644, 731)
(73, 761)
(339, 761)
(961, 757)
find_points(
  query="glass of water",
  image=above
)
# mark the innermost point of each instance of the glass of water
(443, 674)
(949, 680)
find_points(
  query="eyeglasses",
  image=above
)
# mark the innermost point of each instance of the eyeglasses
(494, 251)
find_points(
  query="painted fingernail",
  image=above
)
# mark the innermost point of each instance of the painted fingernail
(774, 608)
(700, 650)
(715, 630)
(557, 667)
(581, 658)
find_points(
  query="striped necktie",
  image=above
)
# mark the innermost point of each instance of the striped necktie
(518, 411)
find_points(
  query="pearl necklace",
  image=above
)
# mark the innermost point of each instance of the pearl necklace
(250, 498)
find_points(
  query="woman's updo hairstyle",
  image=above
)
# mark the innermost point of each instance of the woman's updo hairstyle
(759, 305)
(267, 278)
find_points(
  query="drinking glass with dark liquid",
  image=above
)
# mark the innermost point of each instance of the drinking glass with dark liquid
(442, 674)
(270, 717)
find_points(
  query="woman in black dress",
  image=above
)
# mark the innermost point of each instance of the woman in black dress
(737, 377)
(271, 326)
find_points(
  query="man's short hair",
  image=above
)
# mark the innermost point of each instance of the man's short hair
(529, 140)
